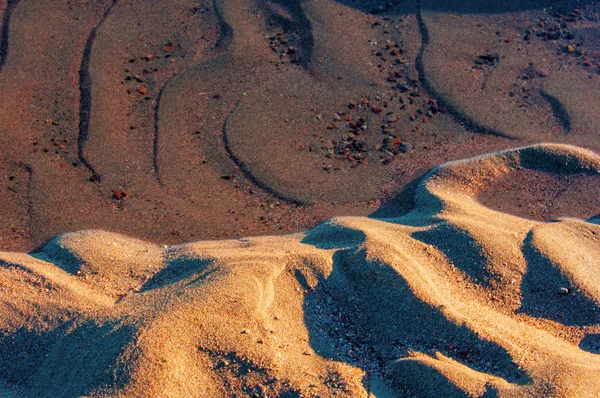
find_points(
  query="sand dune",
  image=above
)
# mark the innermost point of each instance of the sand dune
(451, 298)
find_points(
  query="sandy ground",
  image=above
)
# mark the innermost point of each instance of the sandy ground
(174, 121)
(151, 124)
(451, 298)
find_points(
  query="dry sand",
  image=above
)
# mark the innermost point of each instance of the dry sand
(451, 298)
(147, 125)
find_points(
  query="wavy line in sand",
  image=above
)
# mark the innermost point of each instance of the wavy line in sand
(447, 106)
(8, 11)
(223, 42)
(85, 95)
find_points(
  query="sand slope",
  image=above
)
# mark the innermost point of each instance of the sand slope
(449, 299)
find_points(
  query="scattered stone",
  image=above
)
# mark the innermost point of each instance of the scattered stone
(119, 194)
(405, 147)
(402, 87)
(563, 291)
(245, 331)
(487, 59)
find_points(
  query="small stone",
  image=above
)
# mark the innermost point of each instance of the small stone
(245, 331)
(377, 109)
(563, 291)
(142, 90)
(307, 353)
(402, 87)
(405, 147)
(570, 48)
(555, 35)
(119, 194)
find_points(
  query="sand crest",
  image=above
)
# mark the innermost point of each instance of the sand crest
(449, 299)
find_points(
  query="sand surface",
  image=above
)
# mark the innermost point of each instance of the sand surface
(450, 298)
(327, 157)
(183, 120)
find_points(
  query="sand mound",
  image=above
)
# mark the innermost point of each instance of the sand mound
(450, 299)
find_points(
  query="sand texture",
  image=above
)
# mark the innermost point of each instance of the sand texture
(181, 120)
(450, 298)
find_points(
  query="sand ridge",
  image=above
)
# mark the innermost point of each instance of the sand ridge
(449, 299)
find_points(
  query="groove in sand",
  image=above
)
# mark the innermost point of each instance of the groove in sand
(559, 111)
(464, 120)
(10, 7)
(85, 95)
(222, 44)
(246, 171)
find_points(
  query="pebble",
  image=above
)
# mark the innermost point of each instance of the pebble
(405, 147)
(245, 331)
(119, 194)
(563, 291)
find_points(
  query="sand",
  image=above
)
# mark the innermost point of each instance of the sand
(450, 298)
(176, 121)
(292, 199)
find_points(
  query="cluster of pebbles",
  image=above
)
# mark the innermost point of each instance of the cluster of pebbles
(381, 123)
(561, 27)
